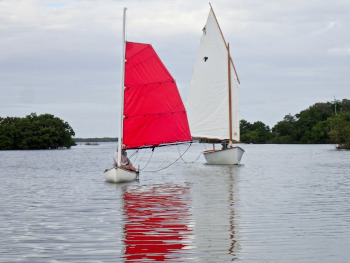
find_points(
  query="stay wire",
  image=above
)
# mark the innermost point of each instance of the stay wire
(178, 148)
(136, 152)
(148, 161)
(170, 163)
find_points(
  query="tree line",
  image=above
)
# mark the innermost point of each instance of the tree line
(35, 132)
(321, 123)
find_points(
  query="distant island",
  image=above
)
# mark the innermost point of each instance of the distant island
(91, 140)
(35, 132)
(321, 123)
(92, 143)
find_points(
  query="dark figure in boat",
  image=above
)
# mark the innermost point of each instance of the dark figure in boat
(224, 145)
(125, 162)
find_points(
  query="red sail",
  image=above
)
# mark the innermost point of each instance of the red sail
(153, 110)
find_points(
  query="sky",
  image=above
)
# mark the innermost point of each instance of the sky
(63, 57)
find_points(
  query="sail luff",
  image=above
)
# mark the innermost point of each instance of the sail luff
(120, 139)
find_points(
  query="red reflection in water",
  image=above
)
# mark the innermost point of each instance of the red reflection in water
(157, 221)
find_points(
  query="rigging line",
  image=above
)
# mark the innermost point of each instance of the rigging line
(137, 154)
(186, 150)
(143, 155)
(170, 163)
(205, 147)
(148, 161)
(137, 151)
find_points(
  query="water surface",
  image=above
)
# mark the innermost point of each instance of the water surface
(285, 203)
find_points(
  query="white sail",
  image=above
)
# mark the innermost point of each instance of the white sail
(208, 100)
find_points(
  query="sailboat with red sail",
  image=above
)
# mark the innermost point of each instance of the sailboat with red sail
(152, 111)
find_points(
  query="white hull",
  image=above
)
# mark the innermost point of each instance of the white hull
(226, 156)
(118, 175)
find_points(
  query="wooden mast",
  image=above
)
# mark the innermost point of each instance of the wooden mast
(120, 139)
(229, 75)
(229, 93)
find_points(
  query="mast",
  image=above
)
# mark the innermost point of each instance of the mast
(229, 93)
(120, 139)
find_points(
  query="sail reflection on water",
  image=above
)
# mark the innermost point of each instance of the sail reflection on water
(216, 220)
(158, 222)
(184, 222)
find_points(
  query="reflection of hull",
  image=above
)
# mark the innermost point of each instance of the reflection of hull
(227, 156)
(119, 175)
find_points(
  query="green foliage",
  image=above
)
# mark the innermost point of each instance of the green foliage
(35, 132)
(321, 123)
(256, 132)
(320, 132)
(310, 125)
(284, 130)
(340, 130)
(307, 119)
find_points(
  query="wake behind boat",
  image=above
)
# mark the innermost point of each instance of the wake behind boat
(152, 113)
(212, 101)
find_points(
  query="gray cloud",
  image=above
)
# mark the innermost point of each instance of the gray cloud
(63, 57)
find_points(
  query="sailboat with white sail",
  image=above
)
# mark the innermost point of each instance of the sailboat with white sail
(152, 111)
(212, 101)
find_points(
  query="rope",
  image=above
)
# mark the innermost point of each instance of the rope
(171, 163)
(148, 161)
(178, 148)
(136, 152)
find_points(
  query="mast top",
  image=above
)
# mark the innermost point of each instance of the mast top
(222, 35)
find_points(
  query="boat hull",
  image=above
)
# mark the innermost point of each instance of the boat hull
(226, 156)
(119, 175)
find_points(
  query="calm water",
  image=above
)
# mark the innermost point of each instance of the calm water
(285, 203)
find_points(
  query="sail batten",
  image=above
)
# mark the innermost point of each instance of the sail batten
(150, 83)
(160, 113)
(153, 110)
(208, 98)
(139, 51)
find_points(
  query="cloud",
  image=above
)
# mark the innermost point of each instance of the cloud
(341, 51)
(63, 57)
(55, 4)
